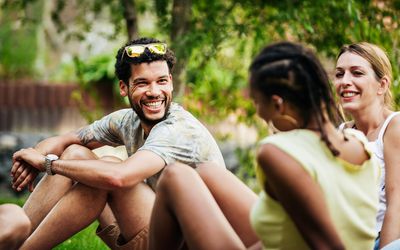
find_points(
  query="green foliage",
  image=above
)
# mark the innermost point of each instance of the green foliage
(86, 14)
(222, 38)
(96, 77)
(217, 79)
(218, 88)
(98, 69)
(215, 85)
(90, 114)
(241, 27)
(65, 72)
(16, 63)
(90, 11)
(247, 163)
(18, 47)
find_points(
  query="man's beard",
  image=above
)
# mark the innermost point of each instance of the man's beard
(149, 122)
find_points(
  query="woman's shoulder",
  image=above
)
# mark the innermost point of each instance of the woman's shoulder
(347, 124)
(355, 133)
(295, 143)
(393, 126)
(394, 118)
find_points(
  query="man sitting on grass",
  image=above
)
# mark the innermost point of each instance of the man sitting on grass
(78, 186)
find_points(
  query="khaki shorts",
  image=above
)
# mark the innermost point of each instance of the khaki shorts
(111, 236)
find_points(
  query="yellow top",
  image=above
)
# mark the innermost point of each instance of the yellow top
(351, 193)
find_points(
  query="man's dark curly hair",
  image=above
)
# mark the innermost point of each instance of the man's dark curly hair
(123, 63)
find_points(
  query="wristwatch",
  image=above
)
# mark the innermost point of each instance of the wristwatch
(48, 162)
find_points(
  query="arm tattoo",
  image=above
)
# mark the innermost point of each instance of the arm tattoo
(85, 135)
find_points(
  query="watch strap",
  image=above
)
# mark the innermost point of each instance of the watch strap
(49, 162)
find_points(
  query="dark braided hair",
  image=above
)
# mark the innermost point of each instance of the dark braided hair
(294, 73)
(123, 63)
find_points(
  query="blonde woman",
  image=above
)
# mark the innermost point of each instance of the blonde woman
(362, 80)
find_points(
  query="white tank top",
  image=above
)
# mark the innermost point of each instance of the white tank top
(377, 148)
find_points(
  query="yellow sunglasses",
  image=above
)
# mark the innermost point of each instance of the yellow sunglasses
(138, 49)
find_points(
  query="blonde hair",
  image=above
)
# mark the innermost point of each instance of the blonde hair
(379, 61)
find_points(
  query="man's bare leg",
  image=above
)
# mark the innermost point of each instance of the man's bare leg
(106, 218)
(82, 205)
(132, 208)
(78, 208)
(133, 222)
(184, 204)
(44, 197)
(51, 188)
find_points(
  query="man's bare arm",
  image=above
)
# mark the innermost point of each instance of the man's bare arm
(98, 173)
(87, 138)
(24, 175)
(57, 144)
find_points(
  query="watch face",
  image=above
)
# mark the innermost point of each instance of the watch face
(52, 157)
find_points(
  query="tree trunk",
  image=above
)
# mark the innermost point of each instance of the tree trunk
(181, 12)
(130, 16)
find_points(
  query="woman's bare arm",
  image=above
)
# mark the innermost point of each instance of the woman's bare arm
(300, 196)
(391, 224)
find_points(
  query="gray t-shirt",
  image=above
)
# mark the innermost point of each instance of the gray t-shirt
(180, 137)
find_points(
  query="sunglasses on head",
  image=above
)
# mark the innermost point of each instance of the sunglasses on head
(137, 50)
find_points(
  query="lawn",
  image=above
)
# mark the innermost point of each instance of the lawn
(86, 239)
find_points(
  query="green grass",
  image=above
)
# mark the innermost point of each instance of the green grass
(85, 239)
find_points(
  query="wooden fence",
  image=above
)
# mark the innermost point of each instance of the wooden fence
(38, 107)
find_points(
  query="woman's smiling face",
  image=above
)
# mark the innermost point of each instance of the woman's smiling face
(356, 83)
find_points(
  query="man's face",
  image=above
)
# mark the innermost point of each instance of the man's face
(149, 91)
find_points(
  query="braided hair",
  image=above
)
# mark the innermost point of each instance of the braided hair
(293, 72)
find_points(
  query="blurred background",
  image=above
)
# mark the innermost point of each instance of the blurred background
(57, 60)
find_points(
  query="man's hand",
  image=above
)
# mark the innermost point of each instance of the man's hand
(32, 157)
(23, 175)
(26, 165)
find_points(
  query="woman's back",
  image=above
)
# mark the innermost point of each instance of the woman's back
(347, 183)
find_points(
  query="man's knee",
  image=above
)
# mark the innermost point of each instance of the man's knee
(15, 225)
(174, 174)
(172, 171)
(208, 170)
(77, 152)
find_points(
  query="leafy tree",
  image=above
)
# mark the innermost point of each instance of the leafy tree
(215, 40)
(18, 38)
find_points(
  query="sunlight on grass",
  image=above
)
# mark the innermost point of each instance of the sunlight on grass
(86, 239)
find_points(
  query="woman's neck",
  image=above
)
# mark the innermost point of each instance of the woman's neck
(369, 119)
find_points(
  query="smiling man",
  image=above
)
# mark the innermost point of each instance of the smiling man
(80, 188)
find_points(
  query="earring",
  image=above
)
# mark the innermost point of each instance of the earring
(284, 122)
